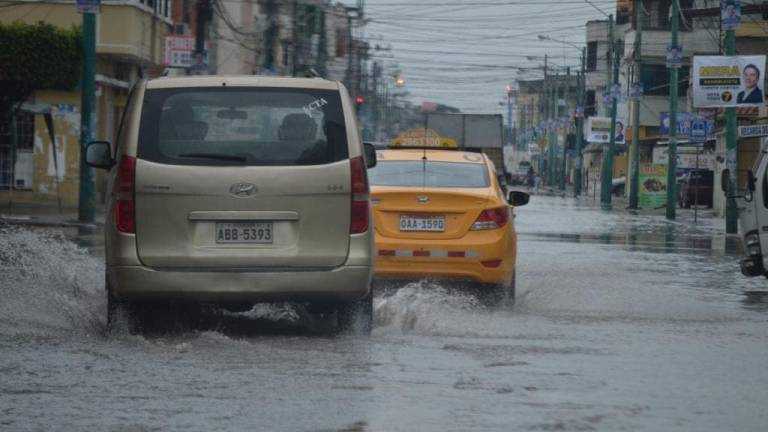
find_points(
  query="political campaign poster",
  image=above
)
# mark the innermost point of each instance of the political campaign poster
(674, 56)
(599, 130)
(728, 81)
(730, 14)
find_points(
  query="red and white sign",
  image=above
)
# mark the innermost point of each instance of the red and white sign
(179, 51)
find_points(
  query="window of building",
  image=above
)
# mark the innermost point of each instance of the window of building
(286, 54)
(590, 107)
(9, 153)
(25, 132)
(591, 56)
(341, 42)
(655, 78)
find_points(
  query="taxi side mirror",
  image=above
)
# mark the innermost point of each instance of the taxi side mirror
(370, 155)
(517, 198)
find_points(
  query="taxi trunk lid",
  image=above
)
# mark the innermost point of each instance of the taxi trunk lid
(398, 213)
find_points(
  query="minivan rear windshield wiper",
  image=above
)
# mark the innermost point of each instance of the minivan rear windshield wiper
(217, 156)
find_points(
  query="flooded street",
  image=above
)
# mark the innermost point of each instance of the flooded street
(622, 322)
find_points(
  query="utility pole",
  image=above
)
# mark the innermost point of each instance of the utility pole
(731, 215)
(607, 175)
(552, 141)
(566, 93)
(202, 17)
(509, 114)
(522, 140)
(672, 150)
(87, 200)
(581, 89)
(544, 113)
(634, 167)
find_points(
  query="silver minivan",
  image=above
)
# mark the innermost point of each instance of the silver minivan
(237, 190)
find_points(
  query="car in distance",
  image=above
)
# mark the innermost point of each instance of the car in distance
(442, 215)
(237, 190)
(695, 187)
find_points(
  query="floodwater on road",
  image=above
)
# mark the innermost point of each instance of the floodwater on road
(622, 322)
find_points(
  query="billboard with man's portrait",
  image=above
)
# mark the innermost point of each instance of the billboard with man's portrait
(599, 130)
(728, 81)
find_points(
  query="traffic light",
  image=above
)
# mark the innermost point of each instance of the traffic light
(359, 100)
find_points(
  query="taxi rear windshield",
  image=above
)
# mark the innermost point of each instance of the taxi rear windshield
(242, 126)
(429, 174)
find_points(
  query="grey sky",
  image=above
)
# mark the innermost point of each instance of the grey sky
(464, 53)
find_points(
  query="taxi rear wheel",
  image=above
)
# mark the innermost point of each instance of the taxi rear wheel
(494, 295)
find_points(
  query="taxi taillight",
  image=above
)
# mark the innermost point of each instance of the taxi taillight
(125, 208)
(360, 195)
(491, 219)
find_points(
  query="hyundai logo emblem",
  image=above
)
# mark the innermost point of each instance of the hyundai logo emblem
(422, 199)
(243, 189)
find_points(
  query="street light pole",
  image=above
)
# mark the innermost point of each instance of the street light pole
(509, 113)
(565, 140)
(580, 125)
(544, 102)
(607, 175)
(634, 168)
(87, 200)
(731, 213)
(552, 141)
(672, 150)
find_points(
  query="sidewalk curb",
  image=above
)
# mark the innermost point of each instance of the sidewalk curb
(49, 223)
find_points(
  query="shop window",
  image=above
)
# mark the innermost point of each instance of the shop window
(591, 56)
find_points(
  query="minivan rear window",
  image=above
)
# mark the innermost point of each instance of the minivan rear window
(429, 174)
(242, 126)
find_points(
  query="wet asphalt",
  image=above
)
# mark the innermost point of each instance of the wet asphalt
(623, 322)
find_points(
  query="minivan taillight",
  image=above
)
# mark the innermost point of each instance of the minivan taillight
(491, 219)
(125, 209)
(360, 193)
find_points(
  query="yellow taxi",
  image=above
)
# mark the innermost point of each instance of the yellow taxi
(443, 215)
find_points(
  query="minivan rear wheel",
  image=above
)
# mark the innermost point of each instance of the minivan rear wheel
(117, 311)
(357, 316)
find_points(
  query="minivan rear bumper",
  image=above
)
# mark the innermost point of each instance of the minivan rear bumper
(139, 283)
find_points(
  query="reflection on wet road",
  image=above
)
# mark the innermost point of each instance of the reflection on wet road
(623, 322)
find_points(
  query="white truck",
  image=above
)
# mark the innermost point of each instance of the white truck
(753, 216)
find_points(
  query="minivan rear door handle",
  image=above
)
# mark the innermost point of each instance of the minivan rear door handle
(244, 215)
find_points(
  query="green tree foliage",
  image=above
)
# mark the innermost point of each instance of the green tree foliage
(36, 56)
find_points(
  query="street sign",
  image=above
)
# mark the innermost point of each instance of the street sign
(180, 51)
(698, 131)
(684, 120)
(88, 6)
(753, 131)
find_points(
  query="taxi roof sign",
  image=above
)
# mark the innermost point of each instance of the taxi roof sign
(423, 138)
